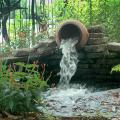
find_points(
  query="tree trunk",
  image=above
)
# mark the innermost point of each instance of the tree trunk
(33, 20)
(4, 29)
(4, 14)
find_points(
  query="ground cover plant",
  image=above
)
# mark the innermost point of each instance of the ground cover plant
(20, 91)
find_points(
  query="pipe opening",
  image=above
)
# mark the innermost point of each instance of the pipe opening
(72, 29)
(69, 31)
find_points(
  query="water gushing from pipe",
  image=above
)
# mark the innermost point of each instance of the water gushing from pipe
(69, 61)
(64, 97)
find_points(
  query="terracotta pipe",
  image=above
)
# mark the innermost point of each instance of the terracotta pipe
(72, 29)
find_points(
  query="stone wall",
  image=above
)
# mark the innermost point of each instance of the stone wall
(95, 60)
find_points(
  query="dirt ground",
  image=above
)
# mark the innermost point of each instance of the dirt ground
(38, 116)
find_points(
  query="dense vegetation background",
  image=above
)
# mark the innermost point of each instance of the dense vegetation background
(24, 22)
(92, 12)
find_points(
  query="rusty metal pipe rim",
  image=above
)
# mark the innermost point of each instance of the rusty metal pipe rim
(70, 27)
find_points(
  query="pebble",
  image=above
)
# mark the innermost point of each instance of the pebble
(91, 104)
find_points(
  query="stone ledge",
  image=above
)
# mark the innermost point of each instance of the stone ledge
(95, 48)
(95, 55)
(114, 47)
(108, 62)
(81, 71)
(83, 66)
(96, 35)
(110, 55)
(96, 29)
(23, 52)
(86, 61)
(43, 46)
(81, 56)
(96, 77)
(96, 41)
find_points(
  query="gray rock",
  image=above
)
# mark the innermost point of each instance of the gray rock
(113, 55)
(96, 41)
(95, 55)
(40, 48)
(23, 52)
(45, 44)
(81, 55)
(95, 48)
(83, 65)
(96, 35)
(96, 29)
(113, 47)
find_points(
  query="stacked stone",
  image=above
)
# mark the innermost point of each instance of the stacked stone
(94, 50)
(97, 59)
(113, 58)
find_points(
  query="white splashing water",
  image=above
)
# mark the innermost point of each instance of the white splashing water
(61, 100)
(69, 61)
(76, 100)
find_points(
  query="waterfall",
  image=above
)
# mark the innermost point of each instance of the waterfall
(68, 63)
(61, 100)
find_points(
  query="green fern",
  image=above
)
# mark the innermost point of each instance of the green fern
(116, 68)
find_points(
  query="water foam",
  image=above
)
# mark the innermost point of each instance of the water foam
(69, 61)
(75, 100)
(60, 101)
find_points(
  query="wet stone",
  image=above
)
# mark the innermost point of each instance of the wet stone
(83, 65)
(114, 47)
(95, 48)
(81, 56)
(96, 29)
(96, 41)
(78, 102)
(86, 61)
(23, 52)
(95, 55)
(96, 35)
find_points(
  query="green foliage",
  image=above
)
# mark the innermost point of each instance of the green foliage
(21, 33)
(20, 91)
(89, 12)
(116, 68)
(109, 17)
(63, 11)
(105, 12)
(5, 49)
(4, 3)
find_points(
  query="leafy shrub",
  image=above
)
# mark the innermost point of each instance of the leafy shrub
(116, 68)
(20, 91)
(90, 12)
